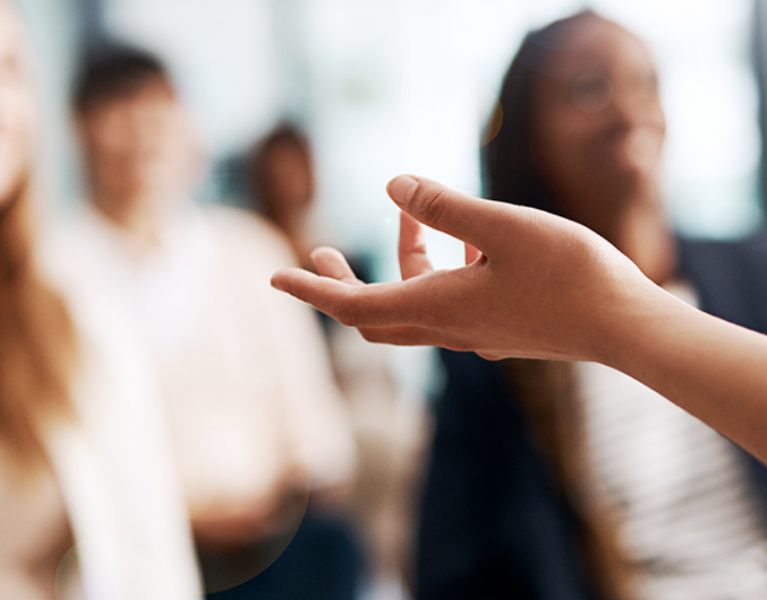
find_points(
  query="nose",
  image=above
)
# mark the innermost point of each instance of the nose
(625, 107)
(635, 103)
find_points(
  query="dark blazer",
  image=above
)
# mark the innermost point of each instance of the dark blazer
(731, 281)
(494, 524)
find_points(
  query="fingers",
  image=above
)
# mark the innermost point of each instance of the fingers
(349, 303)
(331, 263)
(424, 301)
(472, 254)
(469, 219)
(413, 260)
(305, 285)
(406, 336)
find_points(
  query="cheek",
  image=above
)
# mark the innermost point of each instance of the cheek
(113, 135)
(16, 142)
(562, 141)
(22, 123)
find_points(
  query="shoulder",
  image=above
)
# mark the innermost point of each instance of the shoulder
(740, 254)
(730, 277)
(244, 226)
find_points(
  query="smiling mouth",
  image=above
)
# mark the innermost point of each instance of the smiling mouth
(640, 149)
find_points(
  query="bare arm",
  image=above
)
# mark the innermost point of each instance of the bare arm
(539, 286)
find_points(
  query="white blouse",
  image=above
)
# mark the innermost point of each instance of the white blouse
(244, 373)
(112, 480)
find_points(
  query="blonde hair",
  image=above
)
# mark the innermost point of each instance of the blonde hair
(37, 339)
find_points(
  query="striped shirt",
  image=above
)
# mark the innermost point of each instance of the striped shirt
(689, 518)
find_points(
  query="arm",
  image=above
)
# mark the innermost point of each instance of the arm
(538, 286)
(713, 369)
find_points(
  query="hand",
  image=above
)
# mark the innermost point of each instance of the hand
(535, 285)
(539, 286)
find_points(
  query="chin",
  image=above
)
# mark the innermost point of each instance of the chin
(8, 188)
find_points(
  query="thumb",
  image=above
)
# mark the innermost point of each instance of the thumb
(462, 216)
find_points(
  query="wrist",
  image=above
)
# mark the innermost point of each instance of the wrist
(635, 322)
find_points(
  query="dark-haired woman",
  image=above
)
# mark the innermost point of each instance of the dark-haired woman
(568, 480)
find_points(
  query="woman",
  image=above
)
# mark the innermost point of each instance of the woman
(612, 490)
(283, 189)
(82, 446)
(539, 286)
(282, 183)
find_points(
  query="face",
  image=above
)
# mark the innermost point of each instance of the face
(598, 124)
(288, 180)
(142, 149)
(17, 107)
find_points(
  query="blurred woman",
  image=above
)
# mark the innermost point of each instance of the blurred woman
(282, 182)
(82, 449)
(389, 430)
(556, 480)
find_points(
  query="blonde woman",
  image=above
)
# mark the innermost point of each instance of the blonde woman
(88, 502)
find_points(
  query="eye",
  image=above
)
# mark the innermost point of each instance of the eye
(591, 92)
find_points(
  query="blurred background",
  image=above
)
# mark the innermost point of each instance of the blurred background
(384, 87)
(391, 86)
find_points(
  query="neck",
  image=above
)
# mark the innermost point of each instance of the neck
(294, 228)
(647, 240)
(134, 214)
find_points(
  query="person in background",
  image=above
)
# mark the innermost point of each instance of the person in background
(389, 428)
(89, 504)
(282, 185)
(257, 422)
(571, 480)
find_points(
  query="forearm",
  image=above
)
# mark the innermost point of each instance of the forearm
(713, 369)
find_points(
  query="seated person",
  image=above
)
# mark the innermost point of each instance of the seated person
(561, 480)
(389, 425)
(256, 419)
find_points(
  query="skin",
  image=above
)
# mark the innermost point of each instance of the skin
(599, 130)
(508, 302)
(142, 158)
(289, 190)
(18, 120)
(289, 185)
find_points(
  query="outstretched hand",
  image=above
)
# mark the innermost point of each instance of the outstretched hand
(538, 286)
(535, 285)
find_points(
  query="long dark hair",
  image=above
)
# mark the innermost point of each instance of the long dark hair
(548, 391)
(510, 170)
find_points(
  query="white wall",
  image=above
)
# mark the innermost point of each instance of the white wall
(223, 54)
(53, 36)
(391, 86)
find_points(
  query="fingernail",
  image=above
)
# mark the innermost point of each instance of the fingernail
(401, 189)
(276, 282)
